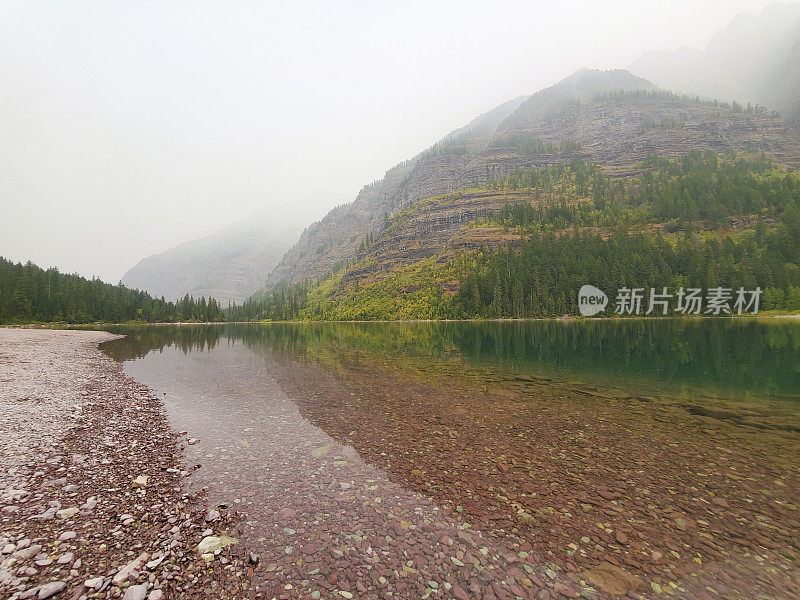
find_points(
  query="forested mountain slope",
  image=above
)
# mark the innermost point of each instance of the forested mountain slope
(523, 245)
(609, 118)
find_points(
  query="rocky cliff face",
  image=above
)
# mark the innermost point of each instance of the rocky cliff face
(337, 237)
(435, 226)
(612, 117)
(618, 131)
(228, 265)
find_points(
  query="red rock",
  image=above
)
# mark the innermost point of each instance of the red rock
(613, 580)
(608, 494)
(564, 590)
(514, 572)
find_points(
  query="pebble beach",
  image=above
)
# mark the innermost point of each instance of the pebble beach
(91, 497)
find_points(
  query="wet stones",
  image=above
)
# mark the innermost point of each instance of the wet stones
(613, 580)
(28, 552)
(50, 513)
(89, 505)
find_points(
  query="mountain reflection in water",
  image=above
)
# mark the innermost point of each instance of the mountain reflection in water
(613, 455)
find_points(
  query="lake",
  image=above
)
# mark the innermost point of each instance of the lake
(501, 460)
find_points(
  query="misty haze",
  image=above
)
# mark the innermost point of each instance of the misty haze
(427, 301)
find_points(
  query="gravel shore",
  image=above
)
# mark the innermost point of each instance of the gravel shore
(91, 497)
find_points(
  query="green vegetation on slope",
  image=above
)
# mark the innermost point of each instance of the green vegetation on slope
(526, 144)
(730, 221)
(701, 186)
(542, 277)
(411, 293)
(30, 294)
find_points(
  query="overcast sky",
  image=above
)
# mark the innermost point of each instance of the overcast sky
(129, 127)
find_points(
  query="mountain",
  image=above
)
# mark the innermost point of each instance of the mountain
(612, 118)
(338, 235)
(523, 245)
(228, 265)
(756, 60)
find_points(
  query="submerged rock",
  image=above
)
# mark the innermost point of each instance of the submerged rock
(95, 583)
(526, 518)
(28, 552)
(320, 452)
(613, 580)
(212, 515)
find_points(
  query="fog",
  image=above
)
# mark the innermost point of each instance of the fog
(129, 127)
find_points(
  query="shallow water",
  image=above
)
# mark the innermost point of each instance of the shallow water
(486, 457)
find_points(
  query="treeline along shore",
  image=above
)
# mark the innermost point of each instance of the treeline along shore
(30, 294)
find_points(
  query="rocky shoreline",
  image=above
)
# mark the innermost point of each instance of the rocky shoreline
(91, 497)
(358, 479)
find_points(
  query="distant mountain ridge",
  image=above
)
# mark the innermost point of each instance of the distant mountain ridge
(614, 118)
(228, 265)
(755, 59)
(581, 86)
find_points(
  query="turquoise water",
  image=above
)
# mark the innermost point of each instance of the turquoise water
(737, 357)
(404, 436)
